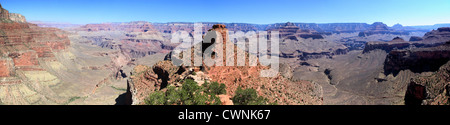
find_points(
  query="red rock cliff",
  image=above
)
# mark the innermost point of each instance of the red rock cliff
(22, 44)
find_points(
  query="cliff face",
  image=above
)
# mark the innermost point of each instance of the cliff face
(424, 88)
(388, 46)
(417, 60)
(440, 35)
(24, 50)
(24, 43)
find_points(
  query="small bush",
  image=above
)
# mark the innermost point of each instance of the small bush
(189, 94)
(248, 97)
(214, 88)
(156, 98)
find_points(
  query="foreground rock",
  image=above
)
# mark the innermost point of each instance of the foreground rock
(430, 90)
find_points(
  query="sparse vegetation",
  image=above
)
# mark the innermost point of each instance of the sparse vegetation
(189, 94)
(72, 99)
(214, 88)
(248, 97)
(193, 94)
(120, 89)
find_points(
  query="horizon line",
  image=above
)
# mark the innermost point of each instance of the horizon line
(62, 22)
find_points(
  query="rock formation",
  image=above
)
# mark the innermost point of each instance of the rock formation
(397, 39)
(430, 90)
(279, 88)
(440, 35)
(17, 18)
(145, 80)
(4, 14)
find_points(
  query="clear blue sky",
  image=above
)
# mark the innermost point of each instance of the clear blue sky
(406, 12)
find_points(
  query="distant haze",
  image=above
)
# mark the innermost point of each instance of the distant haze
(405, 12)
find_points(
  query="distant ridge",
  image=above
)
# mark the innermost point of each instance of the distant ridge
(431, 27)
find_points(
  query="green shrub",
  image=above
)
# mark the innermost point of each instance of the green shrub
(172, 96)
(248, 97)
(214, 88)
(189, 94)
(156, 98)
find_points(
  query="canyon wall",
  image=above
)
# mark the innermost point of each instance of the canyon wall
(24, 48)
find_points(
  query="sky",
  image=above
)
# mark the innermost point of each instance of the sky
(405, 12)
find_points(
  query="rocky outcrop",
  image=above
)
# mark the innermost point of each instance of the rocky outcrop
(430, 90)
(24, 58)
(397, 39)
(417, 60)
(4, 14)
(7, 68)
(17, 18)
(436, 36)
(278, 89)
(145, 80)
(415, 93)
(7, 17)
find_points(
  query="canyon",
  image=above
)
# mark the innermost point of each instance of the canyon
(123, 63)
